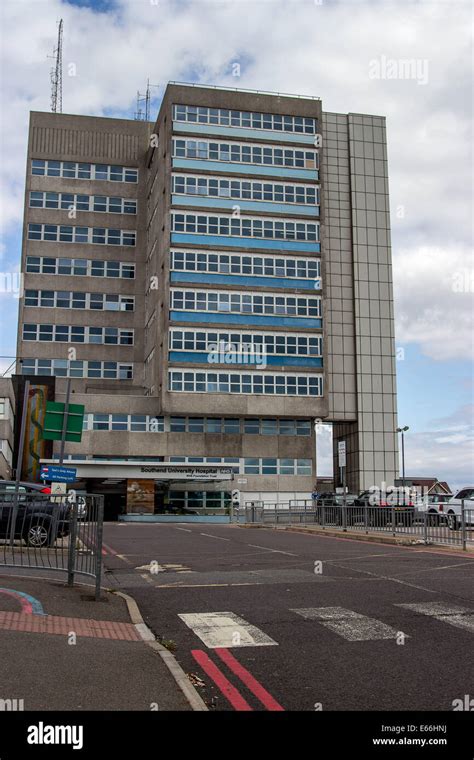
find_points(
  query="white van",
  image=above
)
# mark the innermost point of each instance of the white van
(452, 509)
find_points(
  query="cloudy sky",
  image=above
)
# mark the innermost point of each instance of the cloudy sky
(410, 61)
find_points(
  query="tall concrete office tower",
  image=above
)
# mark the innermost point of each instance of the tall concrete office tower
(214, 284)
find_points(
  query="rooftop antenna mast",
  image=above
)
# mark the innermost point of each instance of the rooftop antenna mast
(144, 100)
(57, 73)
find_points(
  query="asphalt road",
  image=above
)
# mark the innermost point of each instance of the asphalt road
(310, 623)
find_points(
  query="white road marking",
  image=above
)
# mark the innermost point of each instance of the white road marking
(348, 624)
(209, 535)
(276, 551)
(453, 614)
(225, 630)
(186, 530)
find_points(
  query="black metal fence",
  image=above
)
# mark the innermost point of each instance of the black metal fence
(49, 532)
(455, 528)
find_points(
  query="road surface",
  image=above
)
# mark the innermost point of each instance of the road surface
(273, 620)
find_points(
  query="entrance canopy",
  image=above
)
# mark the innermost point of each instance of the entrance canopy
(163, 471)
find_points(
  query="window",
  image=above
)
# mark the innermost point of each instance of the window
(269, 427)
(251, 466)
(238, 264)
(73, 170)
(196, 425)
(184, 184)
(75, 300)
(243, 227)
(138, 423)
(68, 234)
(177, 424)
(245, 303)
(252, 427)
(245, 119)
(245, 153)
(69, 201)
(67, 368)
(249, 383)
(79, 267)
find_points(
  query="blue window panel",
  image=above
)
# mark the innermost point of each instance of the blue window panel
(259, 170)
(256, 206)
(240, 279)
(262, 135)
(183, 238)
(274, 360)
(215, 318)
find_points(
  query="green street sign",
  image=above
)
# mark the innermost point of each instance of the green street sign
(54, 419)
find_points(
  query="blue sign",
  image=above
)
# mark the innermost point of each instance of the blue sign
(57, 474)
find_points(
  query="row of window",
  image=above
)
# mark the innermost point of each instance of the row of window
(80, 267)
(240, 189)
(114, 336)
(69, 368)
(144, 423)
(61, 233)
(73, 202)
(194, 381)
(242, 264)
(244, 226)
(254, 465)
(66, 299)
(75, 170)
(245, 153)
(245, 303)
(199, 500)
(266, 343)
(245, 119)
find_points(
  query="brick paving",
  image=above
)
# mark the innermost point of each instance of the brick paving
(62, 626)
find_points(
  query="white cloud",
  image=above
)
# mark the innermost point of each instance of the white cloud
(434, 300)
(300, 47)
(445, 450)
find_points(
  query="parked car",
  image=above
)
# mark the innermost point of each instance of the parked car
(452, 510)
(433, 505)
(332, 503)
(332, 499)
(380, 508)
(40, 520)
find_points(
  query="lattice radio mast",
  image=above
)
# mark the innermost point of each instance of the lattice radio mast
(57, 74)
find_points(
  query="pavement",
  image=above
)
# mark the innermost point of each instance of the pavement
(277, 620)
(452, 541)
(62, 650)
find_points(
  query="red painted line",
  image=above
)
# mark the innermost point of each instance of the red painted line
(248, 679)
(108, 549)
(225, 687)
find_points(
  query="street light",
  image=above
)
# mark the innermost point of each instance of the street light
(403, 430)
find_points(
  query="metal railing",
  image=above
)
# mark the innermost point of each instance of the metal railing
(47, 532)
(198, 85)
(454, 528)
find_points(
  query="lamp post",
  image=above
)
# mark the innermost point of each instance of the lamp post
(403, 430)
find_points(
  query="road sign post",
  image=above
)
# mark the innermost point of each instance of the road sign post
(19, 460)
(341, 451)
(64, 428)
